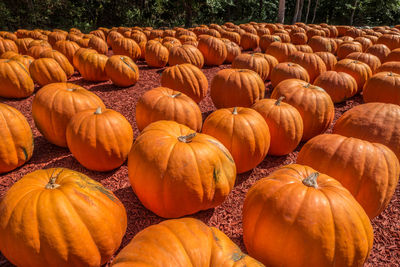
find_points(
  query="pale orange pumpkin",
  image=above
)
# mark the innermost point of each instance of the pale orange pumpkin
(15, 80)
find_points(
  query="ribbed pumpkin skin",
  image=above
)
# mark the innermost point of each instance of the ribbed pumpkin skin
(312, 63)
(47, 70)
(23, 45)
(347, 48)
(67, 48)
(252, 62)
(92, 66)
(156, 54)
(162, 103)
(322, 44)
(186, 78)
(176, 178)
(61, 60)
(360, 71)
(185, 54)
(328, 58)
(55, 104)
(392, 41)
(213, 50)
(16, 146)
(126, 47)
(372, 61)
(383, 87)
(272, 62)
(285, 125)
(339, 85)
(7, 45)
(313, 103)
(15, 80)
(98, 44)
(379, 50)
(36, 50)
(232, 50)
(288, 70)
(79, 223)
(266, 40)
(99, 139)
(369, 171)
(373, 122)
(249, 41)
(77, 56)
(176, 243)
(322, 226)
(122, 70)
(24, 59)
(236, 88)
(281, 51)
(8, 55)
(243, 131)
(394, 55)
(391, 66)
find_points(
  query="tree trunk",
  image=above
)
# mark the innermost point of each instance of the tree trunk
(296, 11)
(308, 10)
(300, 11)
(261, 9)
(315, 10)
(281, 12)
(353, 12)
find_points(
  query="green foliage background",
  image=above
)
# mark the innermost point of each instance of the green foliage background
(90, 14)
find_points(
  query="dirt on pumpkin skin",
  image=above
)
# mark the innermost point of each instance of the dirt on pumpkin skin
(226, 217)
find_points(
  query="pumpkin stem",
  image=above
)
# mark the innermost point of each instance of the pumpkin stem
(308, 85)
(311, 180)
(98, 111)
(52, 183)
(176, 95)
(187, 138)
(234, 112)
(71, 89)
(390, 74)
(279, 100)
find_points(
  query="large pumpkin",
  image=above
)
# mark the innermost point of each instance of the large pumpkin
(328, 58)
(383, 87)
(266, 40)
(213, 50)
(175, 171)
(249, 41)
(181, 243)
(24, 59)
(122, 70)
(391, 66)
(312, 63)
(288, 70)
(232, 50)
(314, 104)
(61, 60)
(185, 54)
(281, 51)
(252, 62)
(372, 180)
(98, 44)
(126, 47)
(16, 145)
(15, 80)
(236, 87)
(284, 122)
(379, 50)
(243, 132)
(100, 139)
(186, 78)
(60, 217)
(339, 85)
(272, 62)
(162, 103)
(372, 61)
(357, 69)
(92, 66)
(47, 70)
(156, 54)
(67, 48)
(299, 217)
(55, 104)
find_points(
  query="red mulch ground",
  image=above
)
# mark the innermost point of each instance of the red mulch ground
(227, 217)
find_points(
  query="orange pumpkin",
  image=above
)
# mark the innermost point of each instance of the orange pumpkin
(236, 87)
(15, 80)
(98, 44)
(339, 85)
(9, 55)
(372, 181)
(288, 70)
(177, 243)
(312, 63)
(249, 41)
(126, 47)
(55, 104)
(313, 103)
(55, 37)
(156, 54)
(186, 78)
(61, 60)
(184, 173)
(185, 54)
(302, 210)
(379, 50)
(243, 132)
(391, 66)
(92, 66)
(232, 49)
(23, 45)
(252, 62)
(7, 45)
(67, 48)
(392, 41)
(360, 71)
(47, 70)
(91, 220)
(112, 36)
(122, 70)
(36, 50)
(213, 50)
(266, 40)
(162, 103)
(373, 122)
(281, 51)
(272, 62)
(328, 58)
(383, 87)
(76, 59)
(322, 44)
(284, 122)
(24, 59)
(372, 61)
(298, 38)
(347, 48)
(100, 139)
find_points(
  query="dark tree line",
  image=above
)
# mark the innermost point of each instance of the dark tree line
(90, 14)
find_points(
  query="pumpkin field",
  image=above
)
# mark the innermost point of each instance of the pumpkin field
(253, 144)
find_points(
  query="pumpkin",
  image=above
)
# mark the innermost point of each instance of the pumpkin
(67, 48)
(100, 139)
(7, 45)
(122, 70)
(284, 122)
(360, 71)
(313, 103)
(281, 51)
(347, 48)
(213, 50)
(24, 59)
(372, 180)
(272, 62)
(328, 58)
(15, 80)
(126, 47)
(288, 70)
(249, 41)
(76, 59)
(301, 210)
(98, 44)
(55, 37)
(92, 66)
(23, 45)
(373, 122)
(322, 44)
(394, 55)
(243, 132)
(16, 146)
(392, 41)
(285, 38)
(185, 171)
(67, 219)
(252, 62)
(55, 104)
(232, 50)
(391, 66)
(185, 54)
(9, 55)
(339, 85)
(162, 103)
(61, 60)
(304, 48)
(379, 50)
(112, 36)
(47, 70)
(156, 54)
(186, 78)
(312, 63)
(177, 243)
(36, 50)
(383, 87)
(236, 87)
(232, 36)
(266, 40)
(298, 38)
(372, 61)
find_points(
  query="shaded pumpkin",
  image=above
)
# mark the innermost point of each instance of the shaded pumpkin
(392, 41)
(67, 48)
(272, 62)
(47, 70)
(15, 80)
(156, 54)
(288, 70)
(304, 48)
(339, 85)
(122, 70)
(360, 71)
(9, 55)
(232, 50)
(7, 45)
(213, 50)
(281, 51)
(347, 48)
(61, 60)
(391, 66)
(185, 54)
(252, 62)
(379, 50)
(24, 59)
(383, 87)
(76, 59)
(328, 58)
(23, 45)
(36, 50)
(312, 63)
(266, 40)
(92, 66)
(126, 47)
(98, 44)
(394, 55)
(249, 41)
(372, 61)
